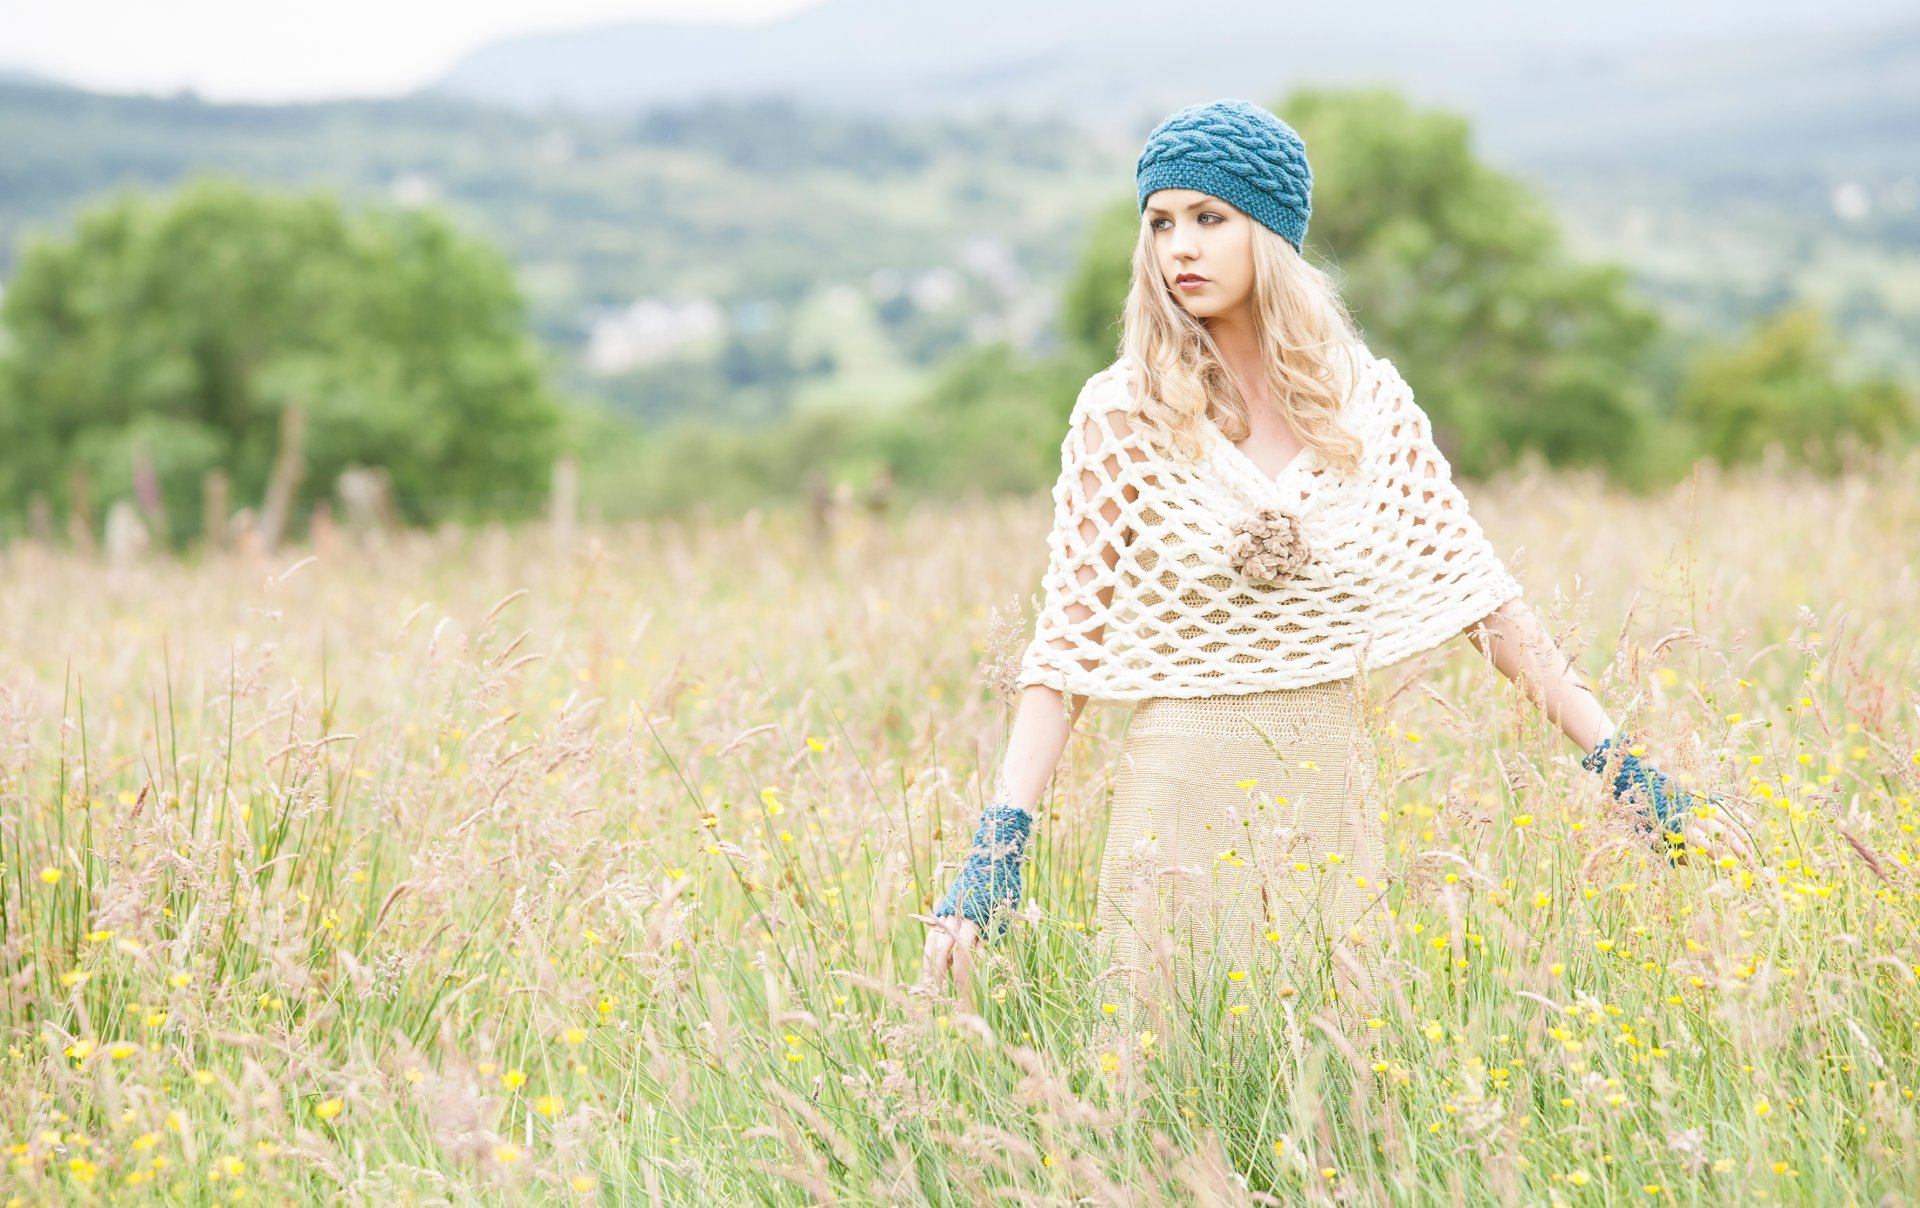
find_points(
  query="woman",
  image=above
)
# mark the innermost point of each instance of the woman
(1251, 514)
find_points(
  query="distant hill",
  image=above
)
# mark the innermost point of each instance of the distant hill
(28, 78)
(924, 181)
(731, 258)
(1110, 61)
(1712, 96)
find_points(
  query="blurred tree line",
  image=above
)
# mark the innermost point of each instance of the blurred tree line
(737, 201)
(1454, 270)
(164, 340)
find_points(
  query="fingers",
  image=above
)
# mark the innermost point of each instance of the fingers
(935, 956)
(1730, 833)
(962, 950)
(949, 949)
(1717, 837)
(1733, 826)
(939, 939)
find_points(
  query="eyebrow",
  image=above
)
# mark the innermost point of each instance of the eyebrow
(1192, 205)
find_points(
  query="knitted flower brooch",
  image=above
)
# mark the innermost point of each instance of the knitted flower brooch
(1268, 545)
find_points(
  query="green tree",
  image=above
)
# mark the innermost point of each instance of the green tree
(1781, 387)
(1091, 305)
(1456, 272)
(176, 329)
(991, 421)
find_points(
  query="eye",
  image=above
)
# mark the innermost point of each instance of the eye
(1155, 223)
(1211, 214)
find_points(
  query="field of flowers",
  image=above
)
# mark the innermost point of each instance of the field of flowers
(458, 867)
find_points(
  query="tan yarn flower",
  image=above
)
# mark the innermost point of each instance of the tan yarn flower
(1268, 545)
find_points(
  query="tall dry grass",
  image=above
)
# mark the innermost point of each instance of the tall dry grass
(464, 869)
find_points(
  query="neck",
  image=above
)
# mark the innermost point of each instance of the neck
(1233, 334)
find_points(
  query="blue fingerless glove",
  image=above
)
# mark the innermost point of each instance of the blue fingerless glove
(991, 875)
(1643, 785)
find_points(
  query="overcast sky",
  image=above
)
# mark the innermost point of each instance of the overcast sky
(260, 50)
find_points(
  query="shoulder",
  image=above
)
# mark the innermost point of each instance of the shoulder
(1111, 389)
(1358, 372)
(1379, 405)
(1106, 401)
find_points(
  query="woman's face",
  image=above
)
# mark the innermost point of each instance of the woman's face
(1196, 235)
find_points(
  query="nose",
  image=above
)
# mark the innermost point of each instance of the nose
(1182, 245)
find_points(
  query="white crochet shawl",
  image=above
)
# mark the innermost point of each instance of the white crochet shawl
(1397, 567)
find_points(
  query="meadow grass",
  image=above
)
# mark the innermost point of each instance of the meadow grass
(457, 868)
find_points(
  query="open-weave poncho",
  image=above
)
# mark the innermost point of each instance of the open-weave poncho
(1394, 563)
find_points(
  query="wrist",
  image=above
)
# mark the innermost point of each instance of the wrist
(1621, 744)
(1006, 819)
(1638, 782)
(988, 884)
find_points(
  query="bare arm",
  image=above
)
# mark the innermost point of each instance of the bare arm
(1043, 722)
(1513, 640)
(1040, 730)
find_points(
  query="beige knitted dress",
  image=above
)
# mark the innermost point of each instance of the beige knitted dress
(1244, 849)
(1243, 860)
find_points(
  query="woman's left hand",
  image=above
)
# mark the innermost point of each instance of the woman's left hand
(1708, 824)
(1717, 829)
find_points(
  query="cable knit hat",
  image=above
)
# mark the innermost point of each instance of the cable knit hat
(1236, 151)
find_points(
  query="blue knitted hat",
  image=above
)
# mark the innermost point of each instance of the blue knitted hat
(1238, 152)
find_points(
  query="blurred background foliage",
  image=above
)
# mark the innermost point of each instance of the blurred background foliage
(172, 332)
(1459, 273)
(907, 306)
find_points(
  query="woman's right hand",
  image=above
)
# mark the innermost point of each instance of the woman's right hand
(951, 941)
(984, 892)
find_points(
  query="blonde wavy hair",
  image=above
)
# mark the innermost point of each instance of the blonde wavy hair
(1298, 317)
